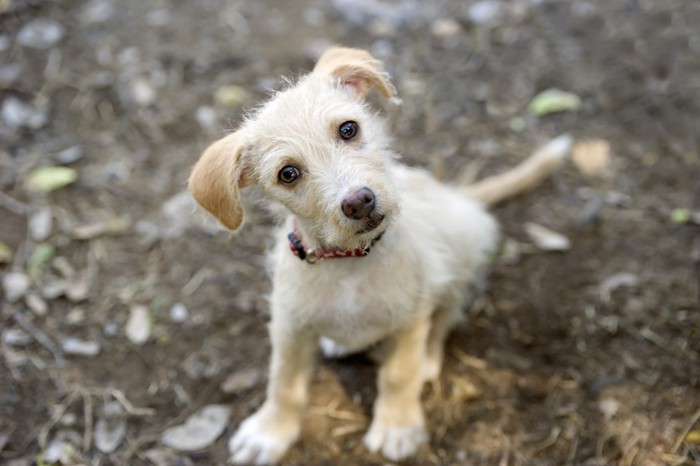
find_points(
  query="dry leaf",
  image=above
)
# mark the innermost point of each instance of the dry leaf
(592, 157)
(110, 428)
(114, 226)
(546, 239)
(200, 430)
(463, 390)
(241, 381)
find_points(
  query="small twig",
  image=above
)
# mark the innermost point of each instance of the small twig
(684, 433)
(39, 336)
(13, 205)
(46, 428)
(348, 429)
(138, 443)
(659, 341)
(572, 449)
(155, 435)
(332, 411)
(121, 398)
(87, 414)
(504, 458)
(549, 441)
(469, 361)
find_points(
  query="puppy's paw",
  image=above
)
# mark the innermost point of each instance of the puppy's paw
(262, 440)
(395, 442)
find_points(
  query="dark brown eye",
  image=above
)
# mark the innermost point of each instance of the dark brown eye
(288, 174)
(348, 130)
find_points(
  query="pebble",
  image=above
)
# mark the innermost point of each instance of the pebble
(97, 11)
(206, 117)
(41, 224)
(15, 337)
(142, 92)
(37, 305)
(76, 316)
(78, 347)
(178, 313)
(15, 285)
(445, 27)
(15, 113)
(485, 12)
(79, 289)
(53, 288)
(138, 327)
(158, 18)
(40, 33)
(608, 407)
(69, 155)
(9, 75)
(58, 452)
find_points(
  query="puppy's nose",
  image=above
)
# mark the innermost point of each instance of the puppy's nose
(359, 204)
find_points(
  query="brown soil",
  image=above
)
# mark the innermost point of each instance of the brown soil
(551, 369)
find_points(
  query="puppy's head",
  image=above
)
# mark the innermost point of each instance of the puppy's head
(315, 147)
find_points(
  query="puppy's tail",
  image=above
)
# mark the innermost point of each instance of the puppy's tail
(523, 177)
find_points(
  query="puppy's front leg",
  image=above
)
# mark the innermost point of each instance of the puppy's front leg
(398, 428)
(265, 436)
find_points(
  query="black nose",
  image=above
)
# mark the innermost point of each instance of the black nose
(359, 204)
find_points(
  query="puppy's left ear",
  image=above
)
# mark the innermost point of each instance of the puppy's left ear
(357, 69)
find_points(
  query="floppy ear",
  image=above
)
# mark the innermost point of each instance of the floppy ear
(358, 69)
(217, 177)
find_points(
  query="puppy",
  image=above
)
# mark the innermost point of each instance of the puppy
(371, 250)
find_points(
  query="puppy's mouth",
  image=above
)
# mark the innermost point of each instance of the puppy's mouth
(372, 223)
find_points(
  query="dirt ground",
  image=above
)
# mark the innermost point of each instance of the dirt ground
(586, 356)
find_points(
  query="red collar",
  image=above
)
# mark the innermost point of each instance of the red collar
(314, 255)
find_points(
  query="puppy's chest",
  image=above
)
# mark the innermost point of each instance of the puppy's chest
(355, 307)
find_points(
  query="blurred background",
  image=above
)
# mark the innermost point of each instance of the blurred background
(133, 331)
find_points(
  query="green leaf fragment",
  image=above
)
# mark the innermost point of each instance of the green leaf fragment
(680, 216)
(6, 253)
(42, 254)
(553, 101)
(231, 96)
(47, 179)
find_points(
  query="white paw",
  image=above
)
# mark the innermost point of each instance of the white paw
(262, 440)
(331, 349)
(395, 443)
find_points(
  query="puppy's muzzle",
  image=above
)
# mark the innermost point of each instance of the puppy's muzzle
(360, 204)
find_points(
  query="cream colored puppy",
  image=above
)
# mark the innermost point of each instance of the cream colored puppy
(319, 150)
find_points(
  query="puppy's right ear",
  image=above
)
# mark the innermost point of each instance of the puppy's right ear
(217, 177)
(357, 69)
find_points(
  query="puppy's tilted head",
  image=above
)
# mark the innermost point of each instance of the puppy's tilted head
(317, 148)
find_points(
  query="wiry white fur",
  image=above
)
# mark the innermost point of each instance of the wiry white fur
(407, 292)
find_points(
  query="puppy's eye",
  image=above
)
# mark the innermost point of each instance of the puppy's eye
(288, 175)
(348, 130)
